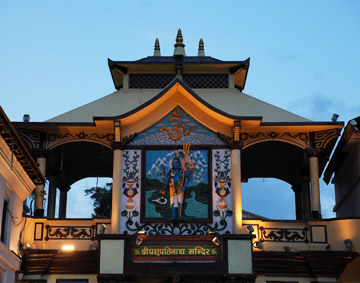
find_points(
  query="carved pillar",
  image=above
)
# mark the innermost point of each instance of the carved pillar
(52, 197)
(63, 202)
(39, 190)
(314, 184)
(236, 147)
(116, 188)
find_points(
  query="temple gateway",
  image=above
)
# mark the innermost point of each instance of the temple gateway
(178, 137)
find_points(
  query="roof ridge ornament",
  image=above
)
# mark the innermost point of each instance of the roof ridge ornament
(201, 48)
(179, 45)
(157, 48)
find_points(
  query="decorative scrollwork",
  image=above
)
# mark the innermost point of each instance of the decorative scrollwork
(81, 135)
(284, 234)
(175, 228)
(321, 139)
(70, 232)
(33, 138)
(298, 138)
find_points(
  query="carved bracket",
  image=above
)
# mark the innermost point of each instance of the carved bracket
(322, 138)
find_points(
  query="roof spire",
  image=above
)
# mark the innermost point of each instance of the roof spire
(201, 48)
(179, 45)
(157, 48)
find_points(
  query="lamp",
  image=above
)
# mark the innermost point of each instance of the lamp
(334, 117)
(67, 247)
(216, 241)
(141, 232)
(26, 118)
(139, 241)
(250, 229)
(103, 229)
(258, 245)
(348, 244)
(354, 124)
(27, 246)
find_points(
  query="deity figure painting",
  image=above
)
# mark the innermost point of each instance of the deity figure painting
(176, 185)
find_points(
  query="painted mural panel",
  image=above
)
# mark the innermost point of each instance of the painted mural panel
(131, 190)
(176, 185)
(222, 191)
(195, 221)
(177, 128)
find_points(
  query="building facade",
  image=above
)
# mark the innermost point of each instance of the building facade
(19, 174)
(179, 137)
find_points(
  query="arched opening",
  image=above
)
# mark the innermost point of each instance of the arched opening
(72, 168)
(80, 205)
(268, 197)
(275, 178)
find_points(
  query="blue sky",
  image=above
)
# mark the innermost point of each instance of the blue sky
(304, 56)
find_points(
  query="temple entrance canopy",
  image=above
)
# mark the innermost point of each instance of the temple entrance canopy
(179, 138)
(182, 106)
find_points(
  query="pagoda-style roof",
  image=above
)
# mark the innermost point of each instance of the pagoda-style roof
(230, 102)
(187, 65)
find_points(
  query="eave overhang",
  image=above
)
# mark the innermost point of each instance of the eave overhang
(189, 65)
(350, 132)
(16, 145)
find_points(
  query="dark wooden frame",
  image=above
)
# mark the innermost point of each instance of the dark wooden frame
(144, 219)
(311, 234)
(71, 280)
(42, 231)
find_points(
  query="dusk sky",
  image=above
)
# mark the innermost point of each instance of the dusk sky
(304, 57)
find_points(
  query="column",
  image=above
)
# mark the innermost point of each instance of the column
(39, 190)
(298, 201)
(52, 197)
(236, 190)
(116, 188)
(306, 198)
(63, 202)
(315, 188)
(116, 192)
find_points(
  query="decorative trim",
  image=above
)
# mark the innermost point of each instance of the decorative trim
(123, 142)
(283, 235)
(33, 138)
(81, 135)
(237, 128)
(70, 232)
(322, 138)
(311, 234)
(300, 139)
(39, 227)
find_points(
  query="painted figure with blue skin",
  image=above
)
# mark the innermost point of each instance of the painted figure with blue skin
(176, 180)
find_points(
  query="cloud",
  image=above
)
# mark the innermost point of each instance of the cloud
(320, 107)
(327, 200)
(284, 56)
